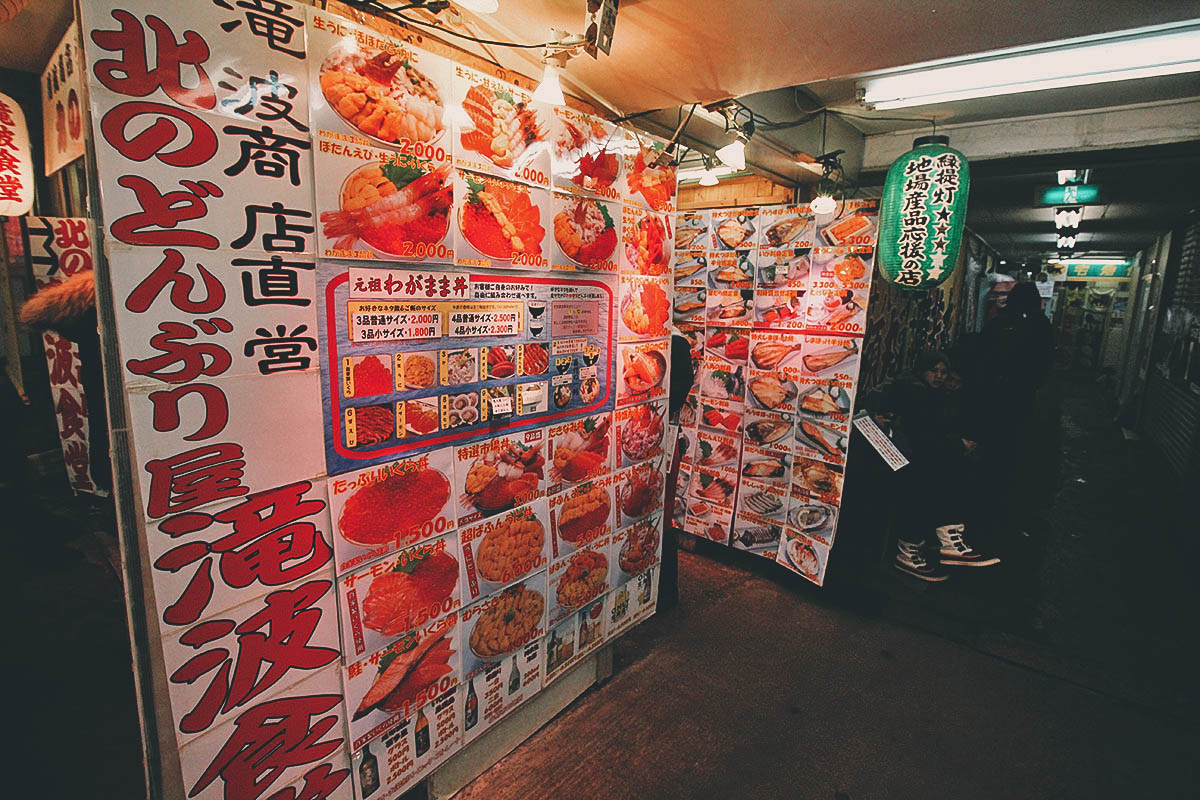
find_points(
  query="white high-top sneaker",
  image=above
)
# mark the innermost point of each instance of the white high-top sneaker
(910, 560)
(957, 553)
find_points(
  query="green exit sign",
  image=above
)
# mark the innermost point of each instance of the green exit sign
(1077, 194)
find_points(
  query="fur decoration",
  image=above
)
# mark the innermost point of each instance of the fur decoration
(61, 304)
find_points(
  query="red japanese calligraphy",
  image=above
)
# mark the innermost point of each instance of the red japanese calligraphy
(216, 410)
(170, 272)
(150, 142)
(193, 360)
(271, 643)
(166, 211)
(60, 355)
(269, 544)
(195, 477)
(75, 453)
(272, 737)
(74, 245)
(131, 74)
(71, 415)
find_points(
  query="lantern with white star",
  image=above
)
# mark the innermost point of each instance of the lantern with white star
(922, 214)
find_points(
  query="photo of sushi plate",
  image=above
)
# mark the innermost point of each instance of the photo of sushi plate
(641, 430)
(837, 310)
(691, 230)
(498, 474)
(405, 591)
(500, 223)
(786, 226)
(732, 270)
(707, 520)
(814, 519)
(711, 486)
(756, 535)
(645, 307)
(780, 309)
(731, 344)
(734, 229)
(650, 177)
(383, 508)
(647, 242)
(788, 268)
(370, 375)
(801, 554)
(689, 304)
(766, 501)
(500, 130)
(388, 686)
(586, 232)
(691, 268)
(719, 452)
(499, 551)
(391, 94)
(642, 371)
(730, 307)
(393, 207)
(586, 153)
(722, 416)
(722, 381)
(580, 450)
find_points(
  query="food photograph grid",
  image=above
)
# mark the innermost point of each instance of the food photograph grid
(773, 302)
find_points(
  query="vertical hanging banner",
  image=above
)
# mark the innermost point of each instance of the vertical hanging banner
(922, 214)
(63, 132)
(16, 164)
(58, 249)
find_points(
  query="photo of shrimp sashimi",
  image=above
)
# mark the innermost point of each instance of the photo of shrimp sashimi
(392, 95)
(647, 241)
(645, 307)
(399, 206)
(506, 134)
(502, 220)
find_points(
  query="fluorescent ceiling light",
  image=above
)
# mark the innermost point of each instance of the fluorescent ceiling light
(1066, 243)
(1068, 217)
(1090, 262)
(733, 154)
(550, 89)
(1066, 176)
(1141, 53)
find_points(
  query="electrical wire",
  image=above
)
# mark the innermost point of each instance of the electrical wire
(376, 8)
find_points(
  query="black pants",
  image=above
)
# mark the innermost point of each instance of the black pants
(932, 490)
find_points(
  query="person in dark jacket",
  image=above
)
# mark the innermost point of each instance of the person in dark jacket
(932, 487)
(682, 378)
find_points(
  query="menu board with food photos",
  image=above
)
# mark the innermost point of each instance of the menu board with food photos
(427, 321)
(773, 300)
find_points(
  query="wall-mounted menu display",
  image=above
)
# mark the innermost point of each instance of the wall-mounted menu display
(774, 301)
(378, 311)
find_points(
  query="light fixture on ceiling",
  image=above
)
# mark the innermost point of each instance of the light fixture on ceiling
(709, 176)
(1092, 262)
(1068, 217)
(1066, 176)
(550, 89)
(1137, 53)
(561, 49)
(830, 188)
(699, 173)
(1066, 242)
(733, 155)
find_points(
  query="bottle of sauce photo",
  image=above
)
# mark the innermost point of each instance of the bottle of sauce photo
(421, 735)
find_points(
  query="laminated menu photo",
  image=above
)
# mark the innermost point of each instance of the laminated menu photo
(577, 579)
(560, 648)
(816, 480)
(801, 554)
(691, 269)
(839, 289)
(649, 174)
(380, 509)
(706, 518)
(397, 594)
(688, 304)
(647, 242)
(586, 233)
(393, 763)
(733, 229)
(766, 465)
(814, 518)
(640, 431)
(387, 686)
(639, 491)
(496, 627)
(822, 439)
(645, 304)
(782, 268)
(755, 534)
(642, 371)
(503, 549)
(635, 549)
(500, 223)
(719, 452)
(581, 515)
(501, 131)
(580, 450)
(495, 691)
(499, 474)
(771, 430)
(786, 226)
(691, 230)
(586, 153)
(733, 269)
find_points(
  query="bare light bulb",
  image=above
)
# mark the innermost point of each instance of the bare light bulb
(709, 178)
(733, 155)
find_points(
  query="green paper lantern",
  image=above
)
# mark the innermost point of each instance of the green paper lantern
(922, 214)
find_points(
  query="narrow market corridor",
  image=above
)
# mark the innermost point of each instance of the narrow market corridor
(757, 688)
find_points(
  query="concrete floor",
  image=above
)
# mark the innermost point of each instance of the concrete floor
(1068, 672)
